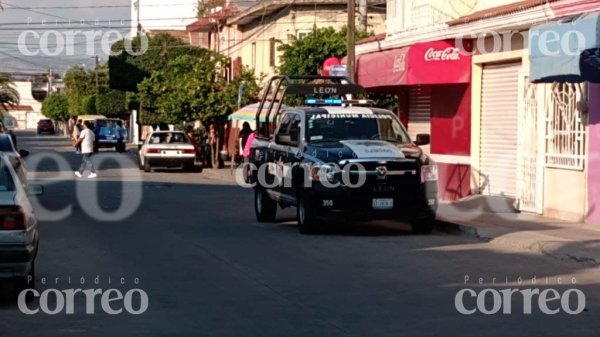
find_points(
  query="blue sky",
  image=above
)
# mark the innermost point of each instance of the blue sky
(54, 17)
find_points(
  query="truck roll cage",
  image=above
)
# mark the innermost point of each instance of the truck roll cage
(281, 85)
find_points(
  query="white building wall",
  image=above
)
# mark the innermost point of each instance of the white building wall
(411, 15)
(24, 88)
(160, 14)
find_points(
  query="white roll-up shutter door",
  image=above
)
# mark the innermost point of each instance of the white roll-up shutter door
(419, 113)
(499, 129)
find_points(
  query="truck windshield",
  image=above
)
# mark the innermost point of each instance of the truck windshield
(336, 127)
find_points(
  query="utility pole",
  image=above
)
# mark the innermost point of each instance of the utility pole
(96, 71)
(50, 79)
(139, 25)
(362, 13)
(350, 44)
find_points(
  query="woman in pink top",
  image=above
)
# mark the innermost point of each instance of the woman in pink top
(249, 145)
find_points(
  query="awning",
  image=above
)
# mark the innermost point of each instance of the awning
(566, 51)
(439, 62)
(248, 113)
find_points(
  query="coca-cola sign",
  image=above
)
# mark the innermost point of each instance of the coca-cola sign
(448, 54)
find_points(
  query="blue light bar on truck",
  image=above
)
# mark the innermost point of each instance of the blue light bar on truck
(331, 101)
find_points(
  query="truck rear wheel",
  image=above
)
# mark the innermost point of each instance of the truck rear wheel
(308, 223)
(265, 208)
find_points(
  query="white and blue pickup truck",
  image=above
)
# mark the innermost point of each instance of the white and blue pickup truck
(336, 157)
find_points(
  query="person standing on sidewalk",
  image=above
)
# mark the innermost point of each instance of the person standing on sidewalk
(86, 139)
(120, 131)
(75, 135)
(189, 131)
(71, 125)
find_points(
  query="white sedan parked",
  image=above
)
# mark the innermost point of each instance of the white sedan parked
(167, 149)
(18, 227)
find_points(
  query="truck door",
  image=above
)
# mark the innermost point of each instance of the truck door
(278, 151)
(293, 154)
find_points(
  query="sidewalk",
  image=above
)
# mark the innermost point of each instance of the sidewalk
(493, 219)
(225, 174)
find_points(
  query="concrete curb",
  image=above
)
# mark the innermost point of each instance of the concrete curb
(456, 228)
(533, 241)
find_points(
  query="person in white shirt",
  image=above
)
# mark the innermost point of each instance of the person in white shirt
(86, 139)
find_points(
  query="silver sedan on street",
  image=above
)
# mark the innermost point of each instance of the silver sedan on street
(14, 157)
(18, 227)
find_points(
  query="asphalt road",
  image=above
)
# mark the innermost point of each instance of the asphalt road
(209, 269)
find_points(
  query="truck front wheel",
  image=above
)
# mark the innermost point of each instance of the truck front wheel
(265, 208)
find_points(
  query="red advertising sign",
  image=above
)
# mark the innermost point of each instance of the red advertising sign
(439, 62)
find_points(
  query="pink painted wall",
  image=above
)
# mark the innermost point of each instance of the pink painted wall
(454, 181)
(593, 215)
(451, 119)
(451, 135)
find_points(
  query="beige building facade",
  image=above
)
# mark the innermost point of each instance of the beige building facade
(252, 37)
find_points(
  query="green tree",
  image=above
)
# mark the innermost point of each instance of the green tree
(80, 84)
(191, 88)
(126, 71)
(56, 106)
(111, 103)
(88, 106)
(305, 56)
(174, 82)
(9, 96)
(132, 101)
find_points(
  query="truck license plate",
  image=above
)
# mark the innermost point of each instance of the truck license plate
(383, 203)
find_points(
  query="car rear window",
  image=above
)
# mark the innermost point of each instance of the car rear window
(6, 180)
(107, 123)
(168, 138)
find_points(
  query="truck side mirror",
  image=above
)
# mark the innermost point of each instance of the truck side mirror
(423, 139)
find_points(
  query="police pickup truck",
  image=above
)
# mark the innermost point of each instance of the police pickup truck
(337, 157)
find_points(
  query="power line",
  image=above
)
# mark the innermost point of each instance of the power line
(99, 6)
(91, 22)
(52, 26)
(21, 59)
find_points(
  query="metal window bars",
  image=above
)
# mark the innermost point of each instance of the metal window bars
(565, 126)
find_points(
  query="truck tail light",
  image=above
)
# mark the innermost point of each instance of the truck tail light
(188, 151)
(429, 173)
(153, 151)
(12, 218)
